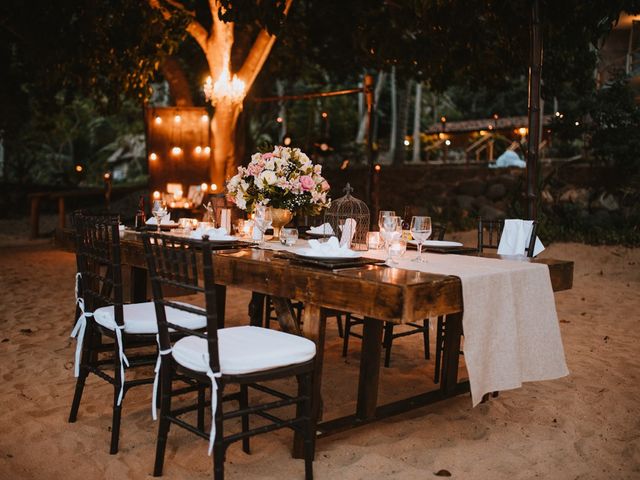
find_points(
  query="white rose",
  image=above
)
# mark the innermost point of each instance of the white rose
(285, 154)
(241, 203)
(255, 157)
(267, 176)
(270, 165)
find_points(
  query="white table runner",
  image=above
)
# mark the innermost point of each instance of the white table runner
(510, 322)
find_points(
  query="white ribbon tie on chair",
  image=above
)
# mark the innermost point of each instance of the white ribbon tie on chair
(214, 401)
(156, 378)
(78, 333)
(80, 327)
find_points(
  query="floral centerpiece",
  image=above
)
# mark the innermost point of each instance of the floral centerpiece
(282, 179)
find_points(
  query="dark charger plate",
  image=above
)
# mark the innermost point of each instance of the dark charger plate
(329, 263)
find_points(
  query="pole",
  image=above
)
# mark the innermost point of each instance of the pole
(535, 83)
(368, 93)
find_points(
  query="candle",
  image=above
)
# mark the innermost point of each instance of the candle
(373, 240)
(225, 219)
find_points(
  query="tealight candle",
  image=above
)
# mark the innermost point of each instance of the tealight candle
(373, 240)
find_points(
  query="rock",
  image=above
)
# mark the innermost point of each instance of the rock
(577, 196)
(546, 196)
(496, 191)
(511, 182)
(472, 187)
(465, 202)
(605, 201)
(599, 218)
(488, 212)
(480, 201)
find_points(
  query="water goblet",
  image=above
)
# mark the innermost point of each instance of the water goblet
(159, 211)
(421, 231)
(288, 236)
(262, 220)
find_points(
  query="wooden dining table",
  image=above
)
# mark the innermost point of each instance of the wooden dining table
(375, 292)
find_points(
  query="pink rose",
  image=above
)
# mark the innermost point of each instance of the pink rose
(267, 155)
(324, 185)
(255, 169)
(307, 182)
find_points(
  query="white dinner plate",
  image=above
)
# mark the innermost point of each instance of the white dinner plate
(226, 238)
(438, 243)
(313, 254)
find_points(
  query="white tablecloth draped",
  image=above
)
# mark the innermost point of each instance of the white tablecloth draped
(511, 331)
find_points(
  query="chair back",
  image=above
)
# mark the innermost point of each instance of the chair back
(98, 262)
(490, 232)
(187, 264)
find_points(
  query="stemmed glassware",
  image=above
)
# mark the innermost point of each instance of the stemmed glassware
(159, 211)
(391, 229)
(382, 214)
(262, 220)
(420, 231)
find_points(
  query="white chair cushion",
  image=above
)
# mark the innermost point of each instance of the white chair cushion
(140, 318)
(245, 350)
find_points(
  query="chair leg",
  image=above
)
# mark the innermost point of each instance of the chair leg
(244, 403)
(340, 327)
(305, 388)
(439, 342)
(347, 332)
(218, 446)
(425, 338)
(164, 424)
(117, 409)
(202, 389)
(387, 342)
(85, 358)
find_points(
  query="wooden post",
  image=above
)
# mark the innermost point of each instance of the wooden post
(369, 368)
(35, 216)
(368, 93)
(61, 213)
(535, 84)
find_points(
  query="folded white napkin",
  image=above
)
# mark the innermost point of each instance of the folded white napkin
(325, 229)
(515, 238)
(166, 220)
(330, 248)
(213, 233)
(348, 231)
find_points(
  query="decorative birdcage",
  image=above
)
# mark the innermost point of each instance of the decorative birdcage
(347, 207)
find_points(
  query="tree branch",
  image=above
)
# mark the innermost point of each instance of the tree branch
(194, 28)
(258, 54)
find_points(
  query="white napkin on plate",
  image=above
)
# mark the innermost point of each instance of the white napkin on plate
(330, 248)
(348, 231)
(515, 238)
(213, 233)
(166, 220)
(324, 229)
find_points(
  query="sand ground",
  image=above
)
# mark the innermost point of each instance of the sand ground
(584, 426)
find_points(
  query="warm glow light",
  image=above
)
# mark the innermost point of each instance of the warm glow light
(207, 150)
(442, 136)
(176, 151)
(186, 205)
(177, 119)
(324, 147)
(279, 119)
(153, 156)
(522, 131)
(325, 114)
(204, 187)
(79, 168)
(214, 187)
(172, 204)
(490, 127)
(483, 133)
(107, 176)
(557, 114)
(204, 118)
(198, 150)
(286, 141)
(577, 124)
(377, 168)
(447, 142)
(156, 195)
(407, 143)
(345, 164)
(443, 119)
(158, 120)
(226, 89)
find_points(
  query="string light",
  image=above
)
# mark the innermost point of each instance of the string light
(204, 187)
(279, 120)
(156, 195)
(325, 114)
(407, 143)
(204, 118)
(177, 119)
(176, 151)
(198, 150)
(447, 142)
(158, 120)
(214, 187)
(522, 131)
(377, 168)
(153, 156)
(79, 168)
(207, 150)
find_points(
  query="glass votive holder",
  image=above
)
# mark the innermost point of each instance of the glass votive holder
(397, 249)
(373, 240)
(288, 236)
(187, 224)
(238, 227)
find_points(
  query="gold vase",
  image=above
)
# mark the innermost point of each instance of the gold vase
(279, 218)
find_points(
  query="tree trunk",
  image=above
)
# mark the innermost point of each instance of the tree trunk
(174, 74)
(404, 102)
(223, 129)
(393, 136)
(362, 129)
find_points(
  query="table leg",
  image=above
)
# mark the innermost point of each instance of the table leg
(138, 284)
(256, 309)
(451, 354)
(314, 322)
(286, 318)
(369, 368)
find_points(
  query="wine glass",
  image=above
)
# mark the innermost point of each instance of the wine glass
(159, 211)
(382, 214)
(421, 231)
(263, 220)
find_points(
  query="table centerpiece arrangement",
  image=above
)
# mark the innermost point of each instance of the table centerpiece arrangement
(285, 180)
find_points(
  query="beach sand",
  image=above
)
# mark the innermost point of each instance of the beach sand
(584, 426)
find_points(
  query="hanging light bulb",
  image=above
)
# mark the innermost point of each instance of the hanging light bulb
(156, 195)
(158, 120)
(153, 156)
(204, 187)
(177, 119)
(176, 151)
(207, 150)
(204, 118)
(214, 187)
(198, 150)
